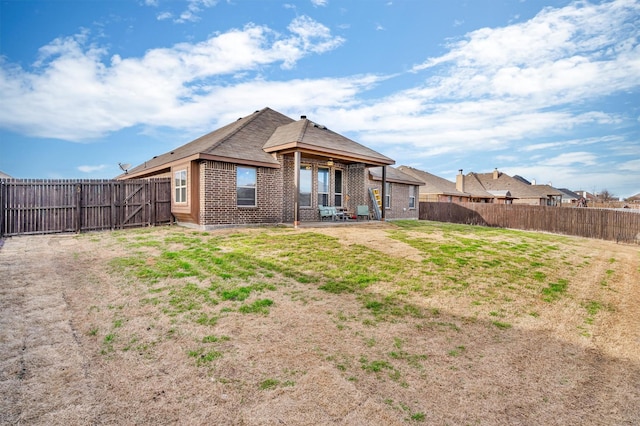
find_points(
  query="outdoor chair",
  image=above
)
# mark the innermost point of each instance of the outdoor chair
(327, 212)
(362, 211)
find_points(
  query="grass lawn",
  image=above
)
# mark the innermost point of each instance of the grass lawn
(395, 323)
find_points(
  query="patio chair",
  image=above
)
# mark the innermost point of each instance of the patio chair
(327, 212)
(362, 211)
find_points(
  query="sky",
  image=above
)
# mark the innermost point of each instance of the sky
(545, 89)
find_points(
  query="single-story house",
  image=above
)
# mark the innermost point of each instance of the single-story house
(267, 168)
(509, 190)
(634, 198)
(4, 175)
(568, 196)
(435, 188)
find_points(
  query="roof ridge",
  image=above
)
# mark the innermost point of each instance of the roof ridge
(249, 118)
(303, 130)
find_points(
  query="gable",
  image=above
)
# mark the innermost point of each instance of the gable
(312, 138)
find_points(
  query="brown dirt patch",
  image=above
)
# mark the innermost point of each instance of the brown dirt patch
(311, 360)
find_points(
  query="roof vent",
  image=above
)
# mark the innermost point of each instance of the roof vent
(303, 117)
(319, 126)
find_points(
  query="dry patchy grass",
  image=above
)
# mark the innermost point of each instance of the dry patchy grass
(411, 322)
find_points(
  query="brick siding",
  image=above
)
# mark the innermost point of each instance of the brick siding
(218, 203)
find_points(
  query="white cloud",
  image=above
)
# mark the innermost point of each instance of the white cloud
(319, 2)
(192, 12)
(497, 87)
(493, 90)
(73, 93)
(164, 16)
(91, 169)
(633, 166)
(571, 158)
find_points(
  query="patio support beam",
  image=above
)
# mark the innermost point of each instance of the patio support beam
(384, 192)
(296, 190)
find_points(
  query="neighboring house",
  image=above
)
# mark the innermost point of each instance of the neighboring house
(509, 190)
(267, 168)
(568, 196)
(4, 175)
(589, 197)
(634, 198)
(553, 195)
(435, 188)
(478, 194)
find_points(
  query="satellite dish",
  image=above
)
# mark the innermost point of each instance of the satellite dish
(125, 167)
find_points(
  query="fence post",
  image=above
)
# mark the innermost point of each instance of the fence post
(152, 202)
(112, 211)
(78, 194)
(3, 206)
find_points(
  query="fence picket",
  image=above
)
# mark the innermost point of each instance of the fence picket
(37, 206)
(604, 224)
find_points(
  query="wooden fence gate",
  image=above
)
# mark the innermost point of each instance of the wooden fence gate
(29, 206)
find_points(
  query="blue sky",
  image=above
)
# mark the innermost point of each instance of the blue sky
(548, 90)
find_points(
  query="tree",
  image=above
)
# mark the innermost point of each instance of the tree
(606, 196)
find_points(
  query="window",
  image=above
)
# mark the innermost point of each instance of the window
(337, 181)
(246, 186)
(180, 184)
(323, 187)
(387, 195)
(305, 186)
(412, 197)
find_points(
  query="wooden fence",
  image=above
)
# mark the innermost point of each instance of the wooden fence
(604, 224)
(30, 206)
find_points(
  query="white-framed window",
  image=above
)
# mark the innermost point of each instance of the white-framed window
(337, 188)
(323, 186)
(304, 199)
(412, 197)
(387, 195)
(246, 183)
(180, 185)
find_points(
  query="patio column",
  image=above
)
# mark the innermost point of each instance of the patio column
(384, 192)
(296, 189)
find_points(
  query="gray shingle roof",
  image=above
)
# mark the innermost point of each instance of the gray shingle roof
(433, 184)
(307, 135)
(241, 140)
(252, 139)
(517, 188)
(394, 175)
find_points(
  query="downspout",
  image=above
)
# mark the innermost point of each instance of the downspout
(384, 192)
(296, 189)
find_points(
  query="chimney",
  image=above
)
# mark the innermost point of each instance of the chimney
(495, 173)
(533, 181)
(460, 181)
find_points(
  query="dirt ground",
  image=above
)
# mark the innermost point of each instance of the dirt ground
(58, 302)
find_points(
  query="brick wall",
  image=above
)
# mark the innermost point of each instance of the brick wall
(400, 203)
(310, 214)
(218, 204)
(399, 208)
